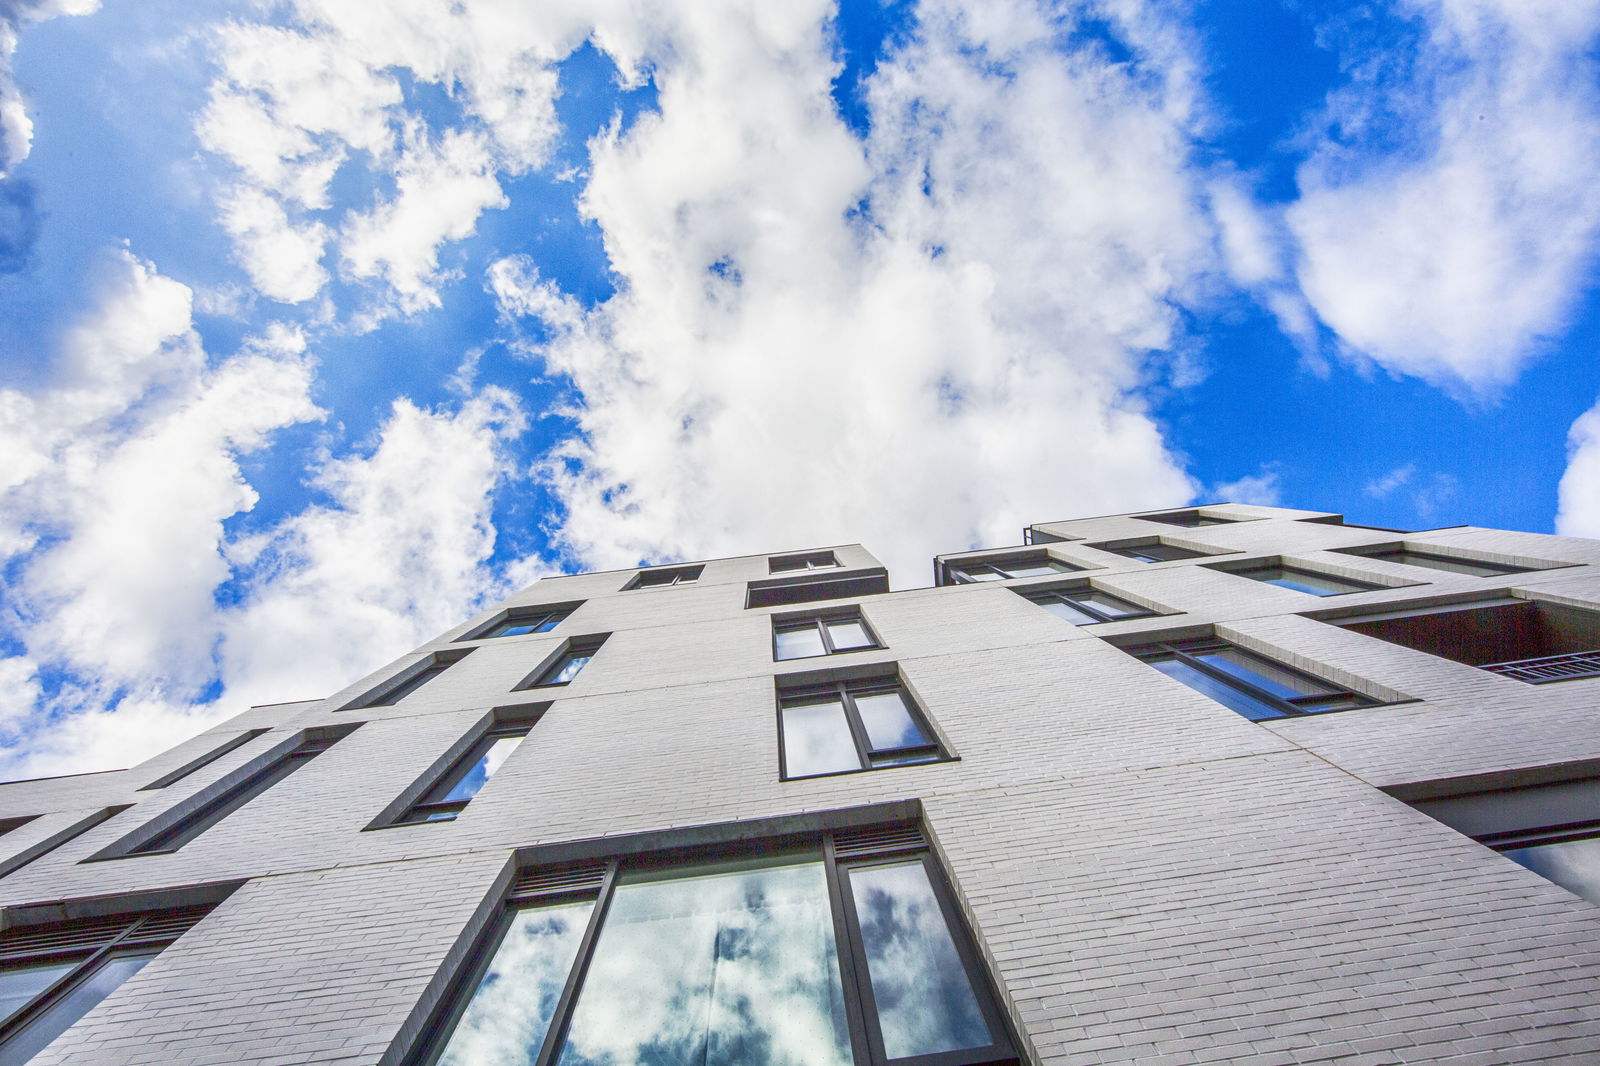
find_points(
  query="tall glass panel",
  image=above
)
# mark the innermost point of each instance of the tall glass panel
(924, 995)
(509, 1014)
(1574, 865)
(1224, 693)
(798, 643)
(889, 722)
(477, 775)
(816, 740)
(79, 1000)
(732, 964)
(1263, 673)
(847, 635)
(19, 986)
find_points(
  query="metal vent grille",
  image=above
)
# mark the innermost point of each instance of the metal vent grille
(571, 881)
(91, 934)
(1550, 668)
(878, 840)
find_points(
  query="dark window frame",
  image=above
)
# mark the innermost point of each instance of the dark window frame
(442, 778)
(802, 562)
(1182, 651)
(1383, 553)
(820, 622)
(396, 688)
(1251, 569)
(803, 694)
(1037, 595)
(231, 744)
(841, 850)
(545, 616)
(1130, 550)
(664, 577)
(960, 571)
(1189, 518)
(584, 647)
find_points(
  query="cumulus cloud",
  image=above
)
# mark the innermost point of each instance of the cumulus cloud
(1261, 488)
(1448, 215)
(16, 129)
(1579, 514)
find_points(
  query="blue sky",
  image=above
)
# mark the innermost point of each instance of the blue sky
(328, 321)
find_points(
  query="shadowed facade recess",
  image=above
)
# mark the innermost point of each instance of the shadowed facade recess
(1221, 784)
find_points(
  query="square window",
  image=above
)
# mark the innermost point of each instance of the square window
(828, 634)
(786, 564)
(843, 727)
(665, 577)
(1250, 684)
(1192, 518)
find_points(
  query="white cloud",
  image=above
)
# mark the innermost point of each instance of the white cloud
(1261, 489)
(1579, 493)
(1455, 254)
(1381, 487)
(16, 129)
(283, 259)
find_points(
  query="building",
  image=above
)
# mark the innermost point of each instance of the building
(1197, 786)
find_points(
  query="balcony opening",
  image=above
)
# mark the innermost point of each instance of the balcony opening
(1528, 640)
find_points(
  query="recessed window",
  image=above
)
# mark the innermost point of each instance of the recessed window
(1243, 681)
(785, 564)
(1150, 551)
(839, 728)
(1191, 519)
(521, 621)
(1084, 606)
(456, 787)
(566, 664)
(1528, 640)
(1454, 564)
(1299, 579)
(1009, 567)
(800, 638)
(407, 681)
(207, 759)
(666, 576)
(1551, 829)
(55, 974)
(816, 951)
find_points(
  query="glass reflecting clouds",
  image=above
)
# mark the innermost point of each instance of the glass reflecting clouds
(83, 997)
(727, 965)
(1224, 693)
(848, 635)
(1574, 865)
(924, 996)
(816, 740)
(888, 722)
(1108, 605)
(567, 669)
(1302, 580)
(1280, 682)
(798, 643)
(19, 986)
(1069, 611)
(506, 1020)
(478, 774)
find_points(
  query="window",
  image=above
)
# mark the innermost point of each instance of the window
(1551, 829)
(1243, 681)
(1299, 579)
(1528, 640)
(1015, 566)
(52, 975)
(842, 727)
(1084, 606)
(1150, 551)
(175, 828)
(207, 759)
(566, 664)
(1192, 518)
(783, 564)
(842, 950)
(655, 579)
(801, 638)
(454, 789)
(802, 587)
(408, 680)
(520, 621)
(1436, 561)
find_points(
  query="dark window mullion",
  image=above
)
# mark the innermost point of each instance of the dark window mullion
(852, 965)
(561, 1016)
(1243, 686)
(858, 729)
(827, 638)
(85, 966)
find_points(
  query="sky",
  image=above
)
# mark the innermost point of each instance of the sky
(326, 323)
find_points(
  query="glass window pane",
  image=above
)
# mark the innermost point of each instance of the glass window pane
(798, 643)
(902, 758)
(1107, 604)
(516, 629)
(1263, 673)
(976, 573)
(1069, 611)
(727, 965)
(889, 722)
(506, 1020)
(1454, 566)
(18, 986)
(1574, 865)
(849, 635)
(79, 1000)
(1032, 569)
(1302, 580)
(816, 740)
(1225, 694)
(569, 669)
(924, 995)
(476, 775)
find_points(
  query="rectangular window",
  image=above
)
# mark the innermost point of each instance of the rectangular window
(52, 975)
(843, 727)
(655, 579)
(1084, 606)
(212, 805)
(784, 564)
(1437, 561)
(207, 759)
(1299, 579)
(408, 680)
(1150, 551)
(1243, 681)
(1193, 518)
(454, 789)
(801, 638)
(842, 950)
(1004, 569)
(520, 621)
(566, 664)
